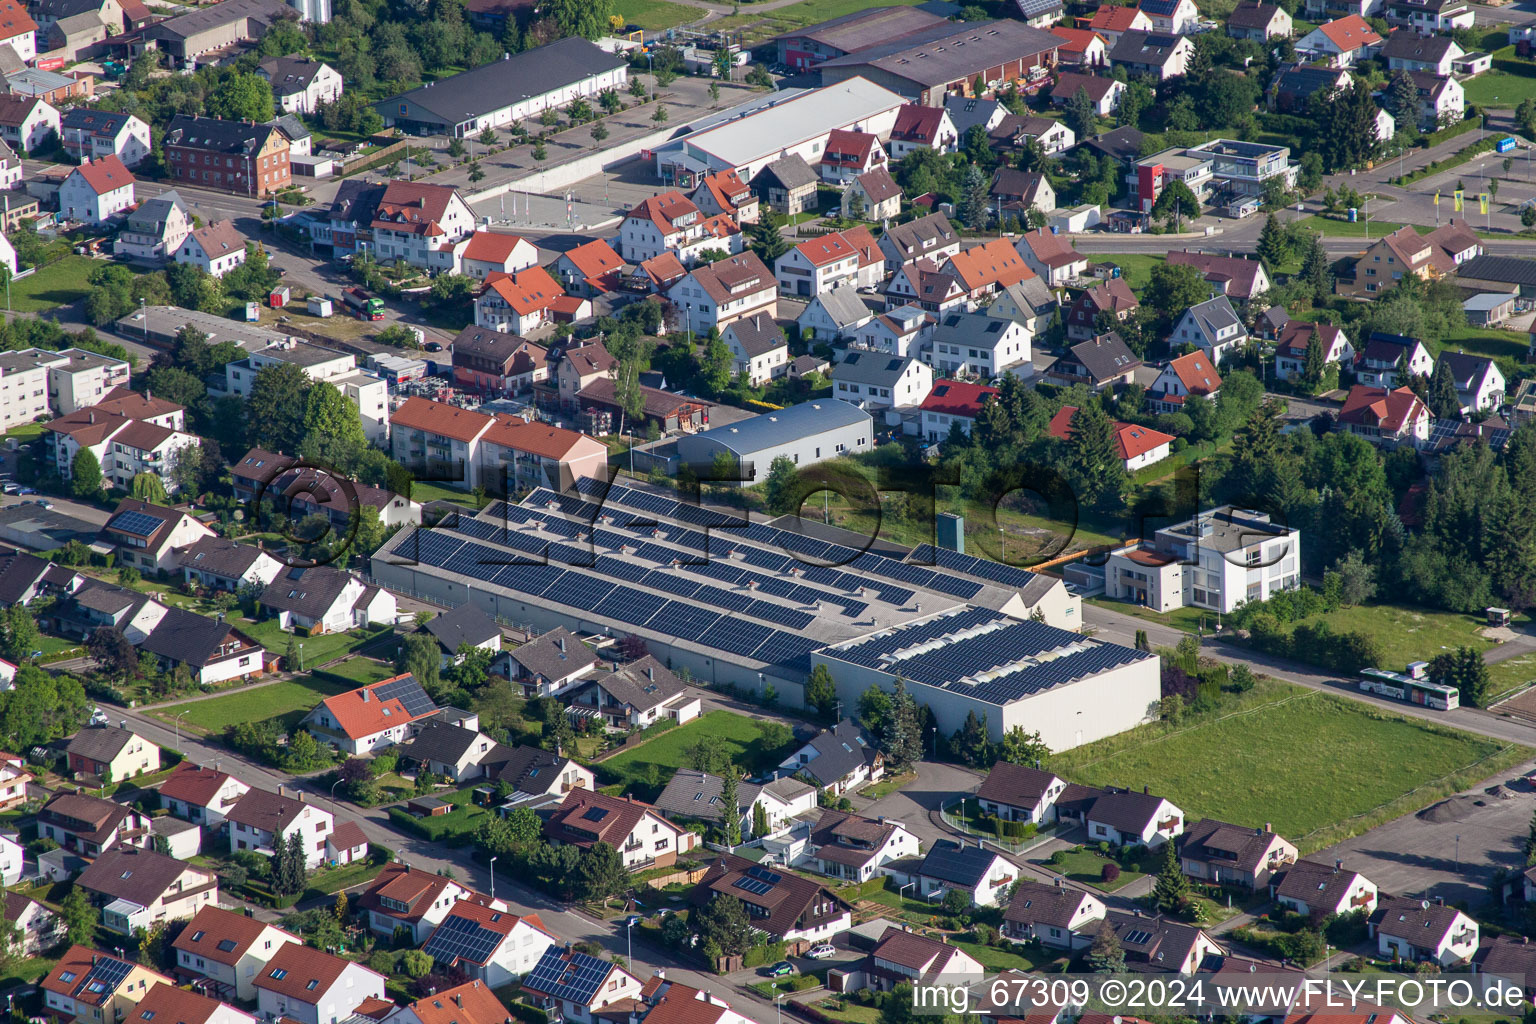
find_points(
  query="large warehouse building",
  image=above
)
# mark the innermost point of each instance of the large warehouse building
(748, 606)
(949, 59)
(495, 95)
(805, 48)
(806, 434)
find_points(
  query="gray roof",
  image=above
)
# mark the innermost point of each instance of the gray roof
(642, 684)
(1423, 926)
(216, 134)
(970, 328)
(291, 126)
(695, 794)
(289, 75)
(1487, 301)
(129, 873)
(768, 431)
(1032, 293)
(1405, 44)
(448, 743)
(757, 335)
(1466, 370)
(1152, 48)
(954, 51)
(1124, 810)
(219, 556)
(1505, 269)
(966, 112)
(1105, 356)
(19, 573)
(908, 238)
(84, 120)
(1215, 314)
(218, 15)
(523, 765)
(871, 368)
(465, 624)
(309, 592)
(844, 306)
(555, 655)
(791, 171)
(1251, 14)
(186, 637)
(951, 862)
(151, 214)
(501, 83)
(100, 742)
(839, 751)
(1303, 81)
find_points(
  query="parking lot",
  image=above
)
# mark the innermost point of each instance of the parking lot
(1450, 848)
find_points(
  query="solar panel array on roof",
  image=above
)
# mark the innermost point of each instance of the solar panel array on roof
(140, 524)
(460, 938)
(998, 572)
(574, 977)
(106, 971)
(409, 693)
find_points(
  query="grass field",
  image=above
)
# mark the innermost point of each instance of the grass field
(756, 26)
(655, 15)
(1343, 228)
(1500, 89)
(1510, 675)
(290, 698)
(1267, 757)
(1087, 867)
(1409, 634)
(316, 649)
(743, 742)
(1136, 266)
(1485, 341)
(57, 284)
(364, 670)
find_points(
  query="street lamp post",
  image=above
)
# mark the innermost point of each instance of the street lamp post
(178, 729)
(333, 789)
(629, 938)
(934, 730)
(493, 877)
(301, 657)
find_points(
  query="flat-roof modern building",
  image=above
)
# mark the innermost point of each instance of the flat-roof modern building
(796, 126)
(1218, 560)
(927, 66)
(497, 94)
(807, 433)
(807, 47)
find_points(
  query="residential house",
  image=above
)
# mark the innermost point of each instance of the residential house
(871, 380)
(576, 987)
(215, 248)
(1224, 542)
(1189, 374)
(109, 752)
(552, 664)
(1030, 301)
(1253, 19)
(1136, 445)
(324, 599)
(929, 237)
(1479, 382)
(37, 928)
(88, 985)
(1176, 17)
(838, 760)
(1081, 46)
(1052, 257)
(1056, 915)
(88, 825)
(983, 875)
(951, 404)
(723, 192)
(1388, 360)
(1159, 54)
(308, 986)
(228, 156)
(1298, 336)
(96, 191)
(1213, 327)
(904, 957)
(1239, 279)
(834, 314)
(496, 363)
(1381, 416)
(137, 889)
(580, 366)
(787, 907)
(453, 752)
(1113, 296)
(156, 229)
(643, 837)
(491, 946)
(1319, 890)
(699, 796)
(847, 846)
(1294, 86)
(1505, 962)
(1217, 853)
(1405, 251)
(1427, 16)
(200, 794)
(306, 491)
(372, 717)
(788, 185)
(1342, 42)
(1014, 193)
(1103, 92)
(918, 127)
(1158, 943)
(655, 276)
(346, 845)
(849, 154)
(301, 84)
(1104, 361)
(818, 265)
(127, 440)
(541, 775)
(26, 122)
(89, 135)
(872, 196)
(1422, 930)
(463, 626)
(720, 293)
(415, 219)
(636, 696)
(168, 1002)
(1015, 792)
(671, 222)
(591, 269)
(488, 252)
(985, 269)
(261, 820)
(416, 900)
(18, 31)
(925, 286)
(1442, 100)
(518, 303)
(979, 344)
(1406, 50)
(13, 793)
(1111, 22)
(1123, 817)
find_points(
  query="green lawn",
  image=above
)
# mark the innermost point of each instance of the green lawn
(757, 26)
(57, 284)
(655, 15)
(1409, 634)
(364, 670)
(290, 698)
(25, 432)
(316, 650)
(1135, 266)
(1268, 756)
(1512, 674)
(1500, 89)
(1485, 341)
(848, 1011)
(743, 739)
(994, 959)
(1188, 619)
(1343, 228)
(1087, 867)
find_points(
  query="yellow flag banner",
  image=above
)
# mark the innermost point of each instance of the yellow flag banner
(1482, 203)
(1459, 196)
(1437, 197)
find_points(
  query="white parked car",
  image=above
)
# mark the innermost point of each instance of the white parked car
(821, 952)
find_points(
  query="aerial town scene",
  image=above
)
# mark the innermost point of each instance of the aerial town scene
(746, 511)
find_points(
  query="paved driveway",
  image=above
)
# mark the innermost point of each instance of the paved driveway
(935, 783)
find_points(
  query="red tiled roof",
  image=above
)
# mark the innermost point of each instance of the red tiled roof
(1196, 373)
(347, 835)
(419, 413)
(1297, 336)
(597, 262)
(664, 210)
(824, 250)
(864, 242)
(1075, 40)
(1132, 440)
(302, 974)
(665, 269)
(538, 438)
(916, 123)
(1115, 19)
(1350, 33)
(470, 1003)
(14, 20)
(193, 784)
(526, 292)
(1378, 407)
(360, 712)
(416, 890)
(171, 1005)
(957, 398)
(104, 174)
(413, 207)
(996, 263)
(491, 247)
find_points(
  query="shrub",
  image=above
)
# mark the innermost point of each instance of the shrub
(1110, 873)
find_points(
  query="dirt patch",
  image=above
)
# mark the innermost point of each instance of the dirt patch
(1498, 634)
(1522, 704)
(1457, 808)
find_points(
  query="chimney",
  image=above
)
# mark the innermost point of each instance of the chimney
(650, 672)
(1338, 864)
(458, 1000)
(364, 692)
(562, 645)
(1146, 790)
(1060, 883)
(1268, 827)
